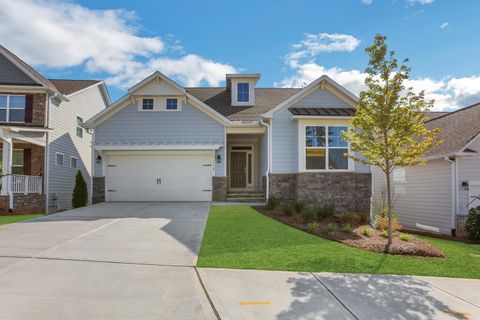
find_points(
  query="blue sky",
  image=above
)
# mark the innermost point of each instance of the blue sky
(289, 43)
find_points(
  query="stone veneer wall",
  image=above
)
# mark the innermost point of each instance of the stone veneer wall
(98, 190)
(219, 188)
(347, 191)
(461, 219)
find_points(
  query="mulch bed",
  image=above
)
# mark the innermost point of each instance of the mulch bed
(374, 242)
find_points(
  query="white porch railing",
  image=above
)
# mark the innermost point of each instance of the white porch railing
(26, 184)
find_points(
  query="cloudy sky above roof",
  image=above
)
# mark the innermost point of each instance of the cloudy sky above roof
(198, 42)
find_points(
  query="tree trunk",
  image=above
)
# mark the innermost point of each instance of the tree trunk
(389, 212)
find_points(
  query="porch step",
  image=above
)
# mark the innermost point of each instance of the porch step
(246, 196)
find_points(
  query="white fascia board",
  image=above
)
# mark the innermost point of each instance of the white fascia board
(297, 96)
(157, 74)
(158, 147)
(470, 142)
(27, 129)
(243, 124)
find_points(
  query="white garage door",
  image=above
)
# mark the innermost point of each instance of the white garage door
(159, 176)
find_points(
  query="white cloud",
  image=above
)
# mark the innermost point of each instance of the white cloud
(367, 2)
(59, 34)
(444, 25)
(412, 2)
(449, 93)
(313, 44)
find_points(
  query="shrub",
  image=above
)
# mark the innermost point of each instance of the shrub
(384, 234)
(366, 232)
(331, 227)
(383, 224)
(80, 191)
(404, 237)
(310, 216)
(347, 228)
(325, 212)
(351, 218)
(299, 206)
(272, 203)
(288, 209)
(364, 219)
(472, 225)
(312, 226)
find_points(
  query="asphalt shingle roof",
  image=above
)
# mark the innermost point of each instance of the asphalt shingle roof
(457, 129)
(326, 112)
(220, 100)
(67, 87)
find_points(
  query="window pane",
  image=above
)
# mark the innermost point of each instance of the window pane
(337, 159)
(79, 132)
(17, 115)
(242, 92)
(3, 102)
(59, 159)
(17, 157)
(73, 162)
(79, 121)
(3, 114)
(315, 136)
(172, 104)
(335, 138)
(17, 102)
(147, 104)
(17, 170)
(315, 159)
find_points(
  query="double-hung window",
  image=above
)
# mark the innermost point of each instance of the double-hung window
(325, 148)
(17, 161)
(147, 104)
(12, 108)
(79, 127)
(243, 94)
(171, 104)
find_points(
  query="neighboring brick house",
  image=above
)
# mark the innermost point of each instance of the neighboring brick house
(40, 123)
(164, 142)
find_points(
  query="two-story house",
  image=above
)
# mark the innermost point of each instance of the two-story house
(43, 141)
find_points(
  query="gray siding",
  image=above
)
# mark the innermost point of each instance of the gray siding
(264, 154)
(11, 74)
(284, 143)
(321, 98)
(220, 167)
(422, 194)
(468, 169)
(188, 126)
(63, 139)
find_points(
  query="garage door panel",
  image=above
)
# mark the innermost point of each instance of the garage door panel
(159, 177)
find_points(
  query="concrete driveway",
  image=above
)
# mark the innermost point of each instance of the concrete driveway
(108, 261)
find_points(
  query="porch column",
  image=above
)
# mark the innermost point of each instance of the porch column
(7, 163)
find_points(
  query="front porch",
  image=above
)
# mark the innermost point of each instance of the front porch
(22, 156)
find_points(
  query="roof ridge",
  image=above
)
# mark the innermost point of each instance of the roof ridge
(449, 113)
(51, 79)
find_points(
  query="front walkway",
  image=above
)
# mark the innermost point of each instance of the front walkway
(136, 261)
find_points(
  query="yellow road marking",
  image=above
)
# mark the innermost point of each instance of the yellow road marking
(246, 303)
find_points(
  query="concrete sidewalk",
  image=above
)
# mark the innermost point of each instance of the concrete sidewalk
(251, 294)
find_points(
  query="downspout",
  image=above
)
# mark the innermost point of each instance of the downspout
(46, 173)
(267, 172)
(454, 190)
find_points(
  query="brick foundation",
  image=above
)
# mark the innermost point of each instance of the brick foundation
(461, 219)
(347, 191)
(23, 204)
(219, 188)
(98, 194)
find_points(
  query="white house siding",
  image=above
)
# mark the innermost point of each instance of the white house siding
(63, 139)
(422, 194)
(321, 98)
(188, 126)
(468, 169)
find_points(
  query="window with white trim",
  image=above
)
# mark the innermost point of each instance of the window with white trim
(171, 104)
(73, 162)
(59, 159)
(147, 104)
(325, 148)
(243, 92)
(79, 127)
(12, 108)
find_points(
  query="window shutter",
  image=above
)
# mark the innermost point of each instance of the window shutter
(29, 108)
(27, 161)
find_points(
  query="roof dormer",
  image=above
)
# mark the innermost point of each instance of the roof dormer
(242, 88)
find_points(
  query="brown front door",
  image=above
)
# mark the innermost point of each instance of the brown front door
(238, 170)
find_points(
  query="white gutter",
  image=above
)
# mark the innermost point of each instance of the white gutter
(454, 191)
(269, 139)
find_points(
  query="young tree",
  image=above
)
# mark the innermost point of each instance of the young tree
(80, 191)
(388, 128)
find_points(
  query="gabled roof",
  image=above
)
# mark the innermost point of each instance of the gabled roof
(27, 70)
(457, 130)
(67, 87)
(220, 100)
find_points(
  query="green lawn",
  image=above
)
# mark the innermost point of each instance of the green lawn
(17, 218)
(240, 237)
